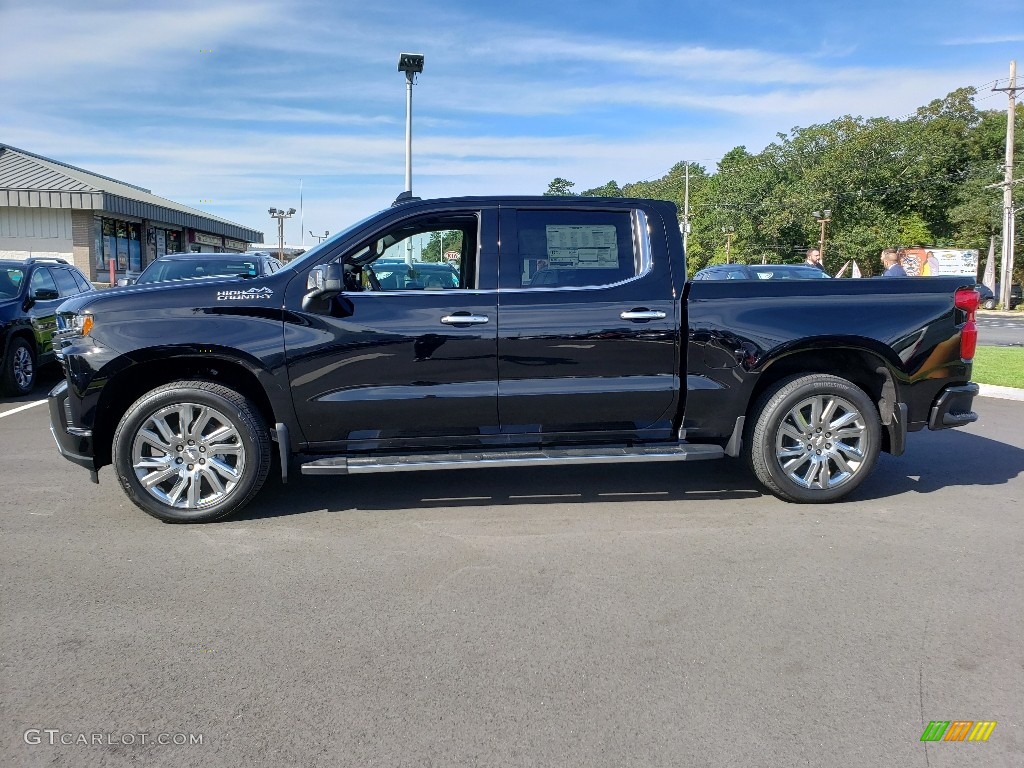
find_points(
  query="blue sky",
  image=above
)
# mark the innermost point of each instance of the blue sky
(225, 105)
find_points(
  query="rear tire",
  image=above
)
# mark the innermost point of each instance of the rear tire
(191, 452)
(19, 368)
(814, 438)
(989, 304)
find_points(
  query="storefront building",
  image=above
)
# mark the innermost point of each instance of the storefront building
(107, 228)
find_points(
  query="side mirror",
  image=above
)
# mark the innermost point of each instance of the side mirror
(45, 294)
(126, 281)
(322, 285)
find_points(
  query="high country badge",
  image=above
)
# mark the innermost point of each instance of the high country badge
(252, 293)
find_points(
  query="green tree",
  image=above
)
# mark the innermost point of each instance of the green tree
(608, 189)
(559, 187)
(440, 243)
(887, 182)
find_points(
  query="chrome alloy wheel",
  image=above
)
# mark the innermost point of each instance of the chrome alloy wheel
(188, 455)
(23, 370)
(822, 442)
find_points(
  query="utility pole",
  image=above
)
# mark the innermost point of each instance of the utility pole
(686, 207)
(1007, 185)
(729, 232)
(823, 218)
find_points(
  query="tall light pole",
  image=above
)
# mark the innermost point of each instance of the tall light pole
(320, 238)
(823, 218)
(280, 215)
(412, 65)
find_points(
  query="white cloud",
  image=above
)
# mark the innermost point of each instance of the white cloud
(86, 38)
(985, 40)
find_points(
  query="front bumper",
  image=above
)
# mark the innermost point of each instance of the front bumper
(74, 444)
(952, 408)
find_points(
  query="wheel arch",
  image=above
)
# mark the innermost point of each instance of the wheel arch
(22, 332)
(133, 381)
(861, 365)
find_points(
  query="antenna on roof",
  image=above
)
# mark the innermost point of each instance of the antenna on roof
(405, 197)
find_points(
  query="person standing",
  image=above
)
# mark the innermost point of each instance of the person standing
(814, 259)
(891, 264)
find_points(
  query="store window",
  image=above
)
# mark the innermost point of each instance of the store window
(134, 248)
(109, 245)
(121, 228)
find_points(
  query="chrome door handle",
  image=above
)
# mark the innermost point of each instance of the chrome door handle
(643, 315)
(465, 319)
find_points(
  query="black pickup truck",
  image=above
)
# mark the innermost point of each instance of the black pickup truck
(568, 334)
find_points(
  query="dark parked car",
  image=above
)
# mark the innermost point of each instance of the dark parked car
(1015, 296)
(30, 292)
(192, 266)
(987, 299)
(760, 272)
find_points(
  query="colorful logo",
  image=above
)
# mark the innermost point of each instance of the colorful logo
(958, 730)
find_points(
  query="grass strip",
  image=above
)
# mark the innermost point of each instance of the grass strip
(1002, 366)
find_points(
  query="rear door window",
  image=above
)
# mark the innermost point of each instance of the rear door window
(558, 248)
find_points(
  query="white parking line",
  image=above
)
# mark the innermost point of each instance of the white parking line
(21, 408)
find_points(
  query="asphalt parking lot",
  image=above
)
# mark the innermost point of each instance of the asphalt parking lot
(627, 616)
(1000, 329)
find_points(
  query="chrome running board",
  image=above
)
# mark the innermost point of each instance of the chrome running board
(354, 465)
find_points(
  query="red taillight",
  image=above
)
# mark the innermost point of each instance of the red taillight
(967, 299)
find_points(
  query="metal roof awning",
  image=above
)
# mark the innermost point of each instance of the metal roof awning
(28, 180)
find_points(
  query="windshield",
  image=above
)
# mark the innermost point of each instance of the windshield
(163, 270)
(11, 279)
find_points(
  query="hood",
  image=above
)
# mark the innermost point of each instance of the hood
(202, 292)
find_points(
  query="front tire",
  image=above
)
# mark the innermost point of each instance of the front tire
(191, 452)
(989, 304)
(19, 368)
(814, 438)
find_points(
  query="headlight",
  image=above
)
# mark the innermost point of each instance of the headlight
(68, 322)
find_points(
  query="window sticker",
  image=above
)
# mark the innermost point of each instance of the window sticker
(593, 246)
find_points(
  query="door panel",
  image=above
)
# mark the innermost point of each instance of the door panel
(43, 312)
(580, 358)
(399, 366)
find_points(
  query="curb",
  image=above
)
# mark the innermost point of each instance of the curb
(1003, 393)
